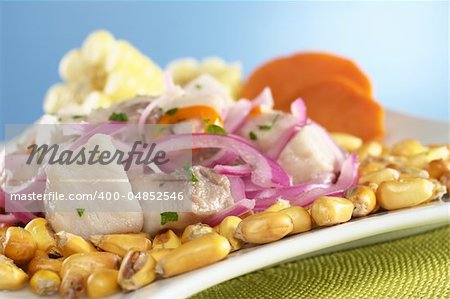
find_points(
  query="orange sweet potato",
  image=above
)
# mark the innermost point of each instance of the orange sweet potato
(287, 75)
(340, 106)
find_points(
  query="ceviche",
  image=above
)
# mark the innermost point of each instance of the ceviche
(256, 173)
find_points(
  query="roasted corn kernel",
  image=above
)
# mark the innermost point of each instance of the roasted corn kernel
(227, 228)
(76, 269)
(409, 172)
(54, 252)
(246, 214)
(370, 167)
(421, 160)
(300, 218)
(45, 282)
(71, 244)
(90, 261)
(195, 231)
(364, 200)
(12, 277)
(437, 168)
(346, 141)
(42, 233)
(444, 179)
(264, 227)
(137, 270)
(120, 244)
(102, 283)
(439, 189)
(329, 210)
(158, 254)
(73, 283)
(408, 148)
(278, 206)
(19, 245)
(166, 240)
(392, 195)
(44, 263)
(369, 149)
(377, 177)
(193, 255)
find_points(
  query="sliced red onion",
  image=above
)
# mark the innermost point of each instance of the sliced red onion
(2, 198)
(267, 197)
(305, 194)
(239, 208)
(237, 188)
(264, 99)
(8, 219)
(222, 157)
(238, 113)
(80, 128)
(108, 128)
(250, 187)
(266, 172)
(24, 217)
(233, 170)
(36, 185)
(145, 114)
(168, 81)
(14, 217)
(298, 109)
(286, 136)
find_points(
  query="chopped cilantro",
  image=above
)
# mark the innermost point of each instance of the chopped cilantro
(77, 116)
(265, 127)
(198, 86)
(168, 217)
(39, 153)
(268, 127)
(215, 129)
(188, 170)
(118, 117)
(172, 111)
(252, 136)
(80, 212)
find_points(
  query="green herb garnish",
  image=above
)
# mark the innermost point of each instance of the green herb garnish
(198, 86)
(39, 153)
(118, 117)
(80, 212)
(188, 170)
(252, 136)
(77, 116)
(215, 129)
(268, 127)
(172, 111)
(168, 217)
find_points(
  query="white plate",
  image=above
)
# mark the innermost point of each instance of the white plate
(375, 228)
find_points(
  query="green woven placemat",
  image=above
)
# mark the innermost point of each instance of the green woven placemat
(412, 267)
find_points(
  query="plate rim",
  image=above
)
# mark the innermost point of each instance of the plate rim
(249, 260)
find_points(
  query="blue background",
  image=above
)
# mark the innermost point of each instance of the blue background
(403, 46)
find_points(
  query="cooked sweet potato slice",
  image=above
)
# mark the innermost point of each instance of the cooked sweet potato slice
(287, 75)
(340, 106)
